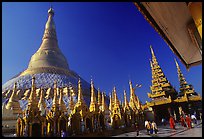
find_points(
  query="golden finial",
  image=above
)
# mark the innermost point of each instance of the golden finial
(110, 104)
(150, 63)
(176, 63)
(152, 50)
(51, 11)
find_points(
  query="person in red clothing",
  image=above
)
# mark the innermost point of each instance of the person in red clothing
(182, 120)
(171, 122)
(188, 121)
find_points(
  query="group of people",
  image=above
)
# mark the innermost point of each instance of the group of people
(151, 127)
(188, 121)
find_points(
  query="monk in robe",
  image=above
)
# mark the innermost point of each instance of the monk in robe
(182, 120)
(171, 122)
(188, 121)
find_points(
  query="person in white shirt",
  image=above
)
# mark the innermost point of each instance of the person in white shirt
(194, 119)
(146, 122)
(154, 127)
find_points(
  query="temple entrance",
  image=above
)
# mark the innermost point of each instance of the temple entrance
(116, 121)
(75, 124)
(62, 125)
(127, 120)
(36, 130)
(88, 124)
(161, 111)
(101, 119)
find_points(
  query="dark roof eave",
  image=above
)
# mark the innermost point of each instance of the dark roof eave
(153, 23)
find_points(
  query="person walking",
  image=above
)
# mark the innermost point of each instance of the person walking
(151, 129)
(163, 121)
(146, 123)
(137, 129)
(171, 122)
(182, 120)
(194, 119)
(63, 133)
(188, 121)
(154, 127)
(148, 127)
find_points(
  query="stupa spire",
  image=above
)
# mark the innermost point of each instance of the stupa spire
(13, 102)
(125, 99)
(80, 95)
(49, 57)
(93, 97)
(93, 103)
(32, 101)
(104, 106)
(55, 103)
(184, 86)
(41, 101)
(160, 85)
(116, 101)
(62, 105)
(110, 104)
(132, 102)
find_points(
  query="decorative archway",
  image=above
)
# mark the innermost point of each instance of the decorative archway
(101, 121)
(36, 130)
(116, 121)
(89, 124)
(62, 125)
(76, 124)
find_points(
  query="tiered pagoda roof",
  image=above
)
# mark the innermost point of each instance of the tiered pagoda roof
(161, 90)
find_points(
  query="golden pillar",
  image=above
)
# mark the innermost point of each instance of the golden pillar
(48, 127)
(196, 12)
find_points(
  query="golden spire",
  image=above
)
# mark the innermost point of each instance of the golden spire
(138, 103)
(184, 86)
(177, 64)
(159, 81)
(99, 98)
(116, 101)
(131, 91)
(132, 97)
(13, 102)
(80, 96)
(55, 103)
(110, 104)
(41, 101)
(93, 104)
(48, 55)
(62, 105)
(152, 51)
(125, 99)
(93, 97)
(32, 101)
(104, 106)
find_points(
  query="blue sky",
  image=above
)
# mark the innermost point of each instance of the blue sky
(108, 41)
